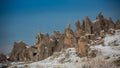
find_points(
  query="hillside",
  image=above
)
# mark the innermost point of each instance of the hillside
(107, 56)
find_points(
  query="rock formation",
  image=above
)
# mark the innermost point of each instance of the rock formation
(102, 24)
(18, 51)
(82, 48)
(117, 24)
(57, 40)
(45, 44)
(111, 24)
(2, 58)
(87, 25)
(42, 46)
(100, 16)
(79, 32)
(70, 40)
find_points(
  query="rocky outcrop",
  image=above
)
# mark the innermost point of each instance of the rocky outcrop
(57, 40)
(46, 45)
(78, 32)
(111, 31)
(87, 25)
(100, 16)
(70, 40)
(43, 48)
(18, 51)
(101, 24)
(82, 48)
(102, 33)
(2, 58)
(86, 34)
(117, 24)
(90, 36)
(111, 24)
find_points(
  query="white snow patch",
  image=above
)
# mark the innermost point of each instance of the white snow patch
(107, 50)
(61, 57)
(27, 46)
(112, 38)
(96, 20)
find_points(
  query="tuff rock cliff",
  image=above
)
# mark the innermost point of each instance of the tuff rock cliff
(46, 45)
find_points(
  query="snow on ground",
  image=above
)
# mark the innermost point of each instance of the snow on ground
(112, 39)
(64, 59)
(110, 50)
(69, 55)
(107, 51)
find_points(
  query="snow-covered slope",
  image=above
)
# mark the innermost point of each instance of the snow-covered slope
(58, 59)
(106, 52)
(110, 48)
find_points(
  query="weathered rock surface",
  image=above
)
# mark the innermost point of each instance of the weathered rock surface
(2, 58)
(18, 51)
(99, 24)
(70, 40)
(82, 48)
(85, 34)
(87, 25)
(79, 32)
(117, 24)
(111, 24)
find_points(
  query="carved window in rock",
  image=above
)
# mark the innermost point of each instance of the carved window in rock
(34, 54)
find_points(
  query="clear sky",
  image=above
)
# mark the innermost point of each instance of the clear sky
(22, 19)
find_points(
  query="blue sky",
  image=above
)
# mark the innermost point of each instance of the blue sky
(22, 19)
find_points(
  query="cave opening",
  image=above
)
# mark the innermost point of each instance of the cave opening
(34, 54)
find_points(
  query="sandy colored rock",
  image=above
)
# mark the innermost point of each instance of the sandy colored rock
(111, 24)
(90, 36)
(87, 25)
(117, 24)
(70, 40)
(86, 34)
(111, 31)
(102, 33)
(18, 51)
(57, 40)
(82, 48)
(2, 58)
(78, 32)
(100, 24)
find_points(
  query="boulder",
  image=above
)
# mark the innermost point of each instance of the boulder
(102, 33)
(111, 31)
